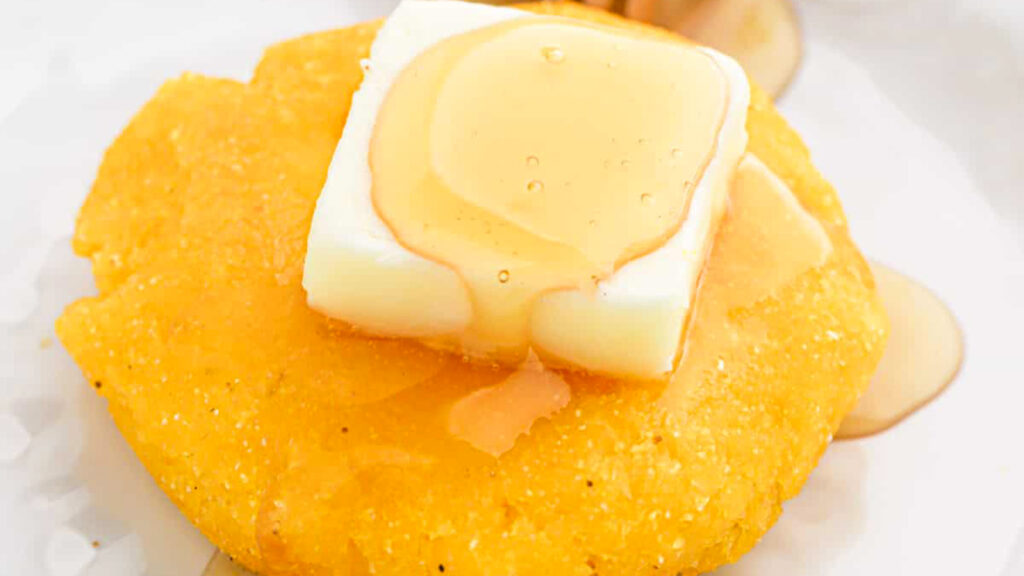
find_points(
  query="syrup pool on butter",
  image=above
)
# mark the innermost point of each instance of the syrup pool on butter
(584, 234)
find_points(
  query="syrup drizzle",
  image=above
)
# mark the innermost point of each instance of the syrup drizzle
(923, 356)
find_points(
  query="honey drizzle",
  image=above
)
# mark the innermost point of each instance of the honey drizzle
(552, 217)
(766, 240)
(921, 360)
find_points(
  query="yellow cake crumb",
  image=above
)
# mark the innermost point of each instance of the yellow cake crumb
(301, 448)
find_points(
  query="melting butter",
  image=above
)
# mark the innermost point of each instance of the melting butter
(597, 202)
(536, 155)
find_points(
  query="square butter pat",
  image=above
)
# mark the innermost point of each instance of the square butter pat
(356, 270)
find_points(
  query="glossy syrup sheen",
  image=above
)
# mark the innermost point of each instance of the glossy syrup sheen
(768, 240)
(921, 359)
(537, 154)
(276, 430)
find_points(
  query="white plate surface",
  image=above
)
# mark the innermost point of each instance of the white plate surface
(913, 108)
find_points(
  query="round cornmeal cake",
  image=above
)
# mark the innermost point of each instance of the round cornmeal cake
(300, 447)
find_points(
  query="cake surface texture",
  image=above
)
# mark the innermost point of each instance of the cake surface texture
(301, 447)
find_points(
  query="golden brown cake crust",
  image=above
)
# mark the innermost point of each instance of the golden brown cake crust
(266, 423)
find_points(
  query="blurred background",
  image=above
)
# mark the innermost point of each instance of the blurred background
(914, 109)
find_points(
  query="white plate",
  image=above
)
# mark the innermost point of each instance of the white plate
(913, 108)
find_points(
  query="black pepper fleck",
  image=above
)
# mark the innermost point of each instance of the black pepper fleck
(97, 384)
(590, 483)
(344, 429)
(440, 567)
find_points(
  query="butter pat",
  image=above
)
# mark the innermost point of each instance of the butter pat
(365, 269)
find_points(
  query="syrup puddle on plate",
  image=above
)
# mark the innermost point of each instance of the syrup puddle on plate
(923, 356)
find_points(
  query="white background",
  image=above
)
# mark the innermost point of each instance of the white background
(913, 108)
